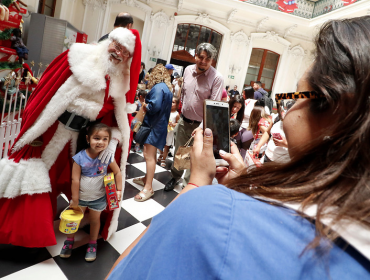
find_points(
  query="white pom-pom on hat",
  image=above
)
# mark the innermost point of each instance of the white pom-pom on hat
(125, 37)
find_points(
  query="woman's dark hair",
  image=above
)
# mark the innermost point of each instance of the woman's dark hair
(17, 32)
(248, 93)
(330, 172)
(237, 99)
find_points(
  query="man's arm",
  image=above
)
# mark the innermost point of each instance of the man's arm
(216, 91)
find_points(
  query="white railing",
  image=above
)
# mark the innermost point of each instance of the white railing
(13, 104)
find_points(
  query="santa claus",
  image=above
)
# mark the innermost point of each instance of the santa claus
(85, 84)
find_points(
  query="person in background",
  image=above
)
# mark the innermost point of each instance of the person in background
(236, 108)
(245, 136)
(174, 118)
(201, 81)
(178, 87)
(234, 129)
(234, 92)
(259, 123)
(259, 92)
(224, 96)
(158, 103)
(277, 147)
(142, 73)
(124, 20)
(170, 70)
(305, 219)
(141, 100)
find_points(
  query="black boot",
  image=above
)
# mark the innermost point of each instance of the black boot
(170, 185)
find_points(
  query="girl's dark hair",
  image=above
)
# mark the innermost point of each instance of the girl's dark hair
(332, 172)
(237, 99)
(248, 93)
(89, 131)
(257, 113)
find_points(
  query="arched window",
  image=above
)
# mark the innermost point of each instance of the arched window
(188, 37)
(262, 67)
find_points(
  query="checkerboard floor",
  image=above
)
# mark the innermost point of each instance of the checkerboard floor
(18, 263)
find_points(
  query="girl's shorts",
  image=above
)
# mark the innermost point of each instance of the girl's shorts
(97, 205)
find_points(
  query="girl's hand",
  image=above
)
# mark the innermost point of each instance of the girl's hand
(74, 203)
(119, 195)
(236, 165)
(203, 163)
(281, 143)
(256, 151)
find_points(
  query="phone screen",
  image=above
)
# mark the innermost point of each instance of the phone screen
(218, 121)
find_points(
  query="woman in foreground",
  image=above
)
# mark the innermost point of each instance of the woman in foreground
(215, 232)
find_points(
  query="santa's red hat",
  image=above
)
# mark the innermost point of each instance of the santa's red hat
(125, 37)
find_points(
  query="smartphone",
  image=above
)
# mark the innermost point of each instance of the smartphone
(216, 117)
(277, 136)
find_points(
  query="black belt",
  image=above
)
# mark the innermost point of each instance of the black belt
(189, 121)
(72, 121)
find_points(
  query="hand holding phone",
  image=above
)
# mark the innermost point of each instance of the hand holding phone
(216, 117)
(277, 136)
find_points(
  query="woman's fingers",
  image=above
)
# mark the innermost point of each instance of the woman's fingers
(198, 141)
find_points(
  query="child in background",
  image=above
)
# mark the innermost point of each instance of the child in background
(88, 185)
(174, 118)
(259, 123)
(141, 100)
(234, 129)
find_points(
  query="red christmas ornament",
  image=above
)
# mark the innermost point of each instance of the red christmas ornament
(287, 6)
(348, 2)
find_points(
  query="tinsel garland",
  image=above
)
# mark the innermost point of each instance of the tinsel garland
(10, 65)
(6, 34)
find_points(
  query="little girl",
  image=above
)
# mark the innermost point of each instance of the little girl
(174, 118)
(259, 123)
(88, 185)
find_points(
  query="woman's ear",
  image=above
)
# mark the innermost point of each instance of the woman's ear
(87, 139)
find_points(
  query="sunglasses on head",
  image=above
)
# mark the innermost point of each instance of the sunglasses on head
(293, 96)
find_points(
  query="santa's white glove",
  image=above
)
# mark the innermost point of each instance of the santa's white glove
(109, 152)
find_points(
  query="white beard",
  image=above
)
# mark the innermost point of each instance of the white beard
(110, 68)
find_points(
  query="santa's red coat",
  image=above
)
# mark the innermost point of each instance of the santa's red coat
(27, 220)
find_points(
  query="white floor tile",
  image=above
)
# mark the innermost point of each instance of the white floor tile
(81, 238)
(142, 210)
(123, 238)
(45, 270)
(142, 167)
(156, 185)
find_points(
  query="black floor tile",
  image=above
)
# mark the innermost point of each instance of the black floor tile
(135, 158)
(15, 258)
(130, 191)
(147, 222)
(133, 172)
(76, 268)
(61, 205)
(163, 177)
(125, 220)
(164, 198)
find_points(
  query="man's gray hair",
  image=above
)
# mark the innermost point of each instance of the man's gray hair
(208, 48)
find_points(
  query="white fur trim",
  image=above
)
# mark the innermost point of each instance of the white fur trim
(116, 133)
(87, 65)
(57, 105)
(57, 144)
(125, 37)
(130, 108)
(26, 177)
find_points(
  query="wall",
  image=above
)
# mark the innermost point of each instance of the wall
(243, 26)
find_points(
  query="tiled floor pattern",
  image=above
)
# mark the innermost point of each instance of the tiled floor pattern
(18, 263)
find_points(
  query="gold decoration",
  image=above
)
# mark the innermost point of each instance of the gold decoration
(40, 64)
(28, 80)
(32, 63)
(8, 80)
(18, 80)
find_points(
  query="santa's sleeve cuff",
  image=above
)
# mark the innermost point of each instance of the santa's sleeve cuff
(116, 134)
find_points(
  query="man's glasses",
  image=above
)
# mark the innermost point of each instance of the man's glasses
(119, 49)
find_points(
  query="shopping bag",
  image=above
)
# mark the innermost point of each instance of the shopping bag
(138, 120)
(182, 157)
